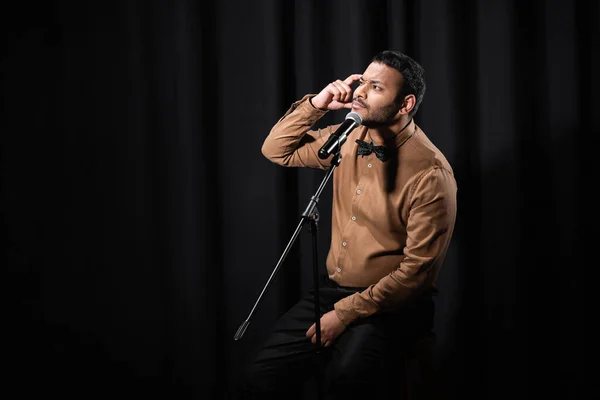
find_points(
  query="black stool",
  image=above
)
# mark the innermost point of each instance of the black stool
(420, 369)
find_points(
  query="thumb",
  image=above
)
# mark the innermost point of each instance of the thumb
(311, 331)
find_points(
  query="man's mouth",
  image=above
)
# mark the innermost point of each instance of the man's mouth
(358, 103)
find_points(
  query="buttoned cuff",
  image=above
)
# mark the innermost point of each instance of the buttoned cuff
(345, 316)
(354, 307)
(306, 105)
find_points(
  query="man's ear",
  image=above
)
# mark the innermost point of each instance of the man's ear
(408, 104)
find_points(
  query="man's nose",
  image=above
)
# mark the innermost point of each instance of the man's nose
(359, 92)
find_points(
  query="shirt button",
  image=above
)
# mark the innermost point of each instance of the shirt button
(344, 244)
(358, 191)
(370, 165)
(339, 270)
(353, 218)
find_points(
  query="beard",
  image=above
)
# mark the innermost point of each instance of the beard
(381, 116)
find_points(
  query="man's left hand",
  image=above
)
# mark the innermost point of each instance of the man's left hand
(331, 328)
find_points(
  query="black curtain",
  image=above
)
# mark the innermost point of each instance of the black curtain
(141, 221)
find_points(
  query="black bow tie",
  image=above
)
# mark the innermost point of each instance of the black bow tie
(364, 149)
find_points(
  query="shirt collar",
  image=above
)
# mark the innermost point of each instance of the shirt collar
(400, 138)
(405, 133)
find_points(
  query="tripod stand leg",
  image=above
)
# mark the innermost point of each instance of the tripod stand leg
(320, 368)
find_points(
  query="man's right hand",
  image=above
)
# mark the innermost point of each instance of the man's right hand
(336, 95)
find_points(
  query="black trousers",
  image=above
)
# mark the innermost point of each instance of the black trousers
(364, 360)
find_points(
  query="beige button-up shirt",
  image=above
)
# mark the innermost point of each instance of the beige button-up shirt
(391, 221)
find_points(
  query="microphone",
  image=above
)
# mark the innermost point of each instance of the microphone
(337, 139)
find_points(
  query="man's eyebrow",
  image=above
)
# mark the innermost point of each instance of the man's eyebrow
(372, 80)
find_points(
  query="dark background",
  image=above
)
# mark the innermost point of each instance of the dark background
(141, 221)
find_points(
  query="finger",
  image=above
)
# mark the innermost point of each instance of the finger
(335, 91)
(341, 95)
(328, 343)
(352, 78)
(345, 90)
(312, 330)
(313, 339)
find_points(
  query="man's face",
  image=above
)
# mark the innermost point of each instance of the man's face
(374, 98)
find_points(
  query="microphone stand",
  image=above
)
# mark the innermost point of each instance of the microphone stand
(311, 215)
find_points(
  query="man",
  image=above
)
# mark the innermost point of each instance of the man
(393, 215)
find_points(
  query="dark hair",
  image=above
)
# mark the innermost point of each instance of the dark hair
(412, 72)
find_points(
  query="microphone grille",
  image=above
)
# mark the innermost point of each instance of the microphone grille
(355, 117)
